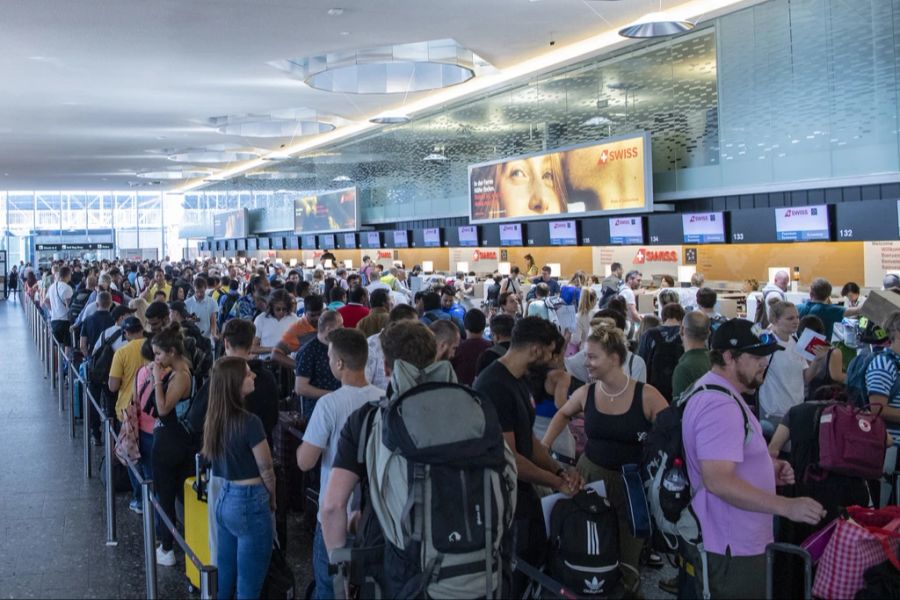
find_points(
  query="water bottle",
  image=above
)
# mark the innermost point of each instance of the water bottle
(675, 480)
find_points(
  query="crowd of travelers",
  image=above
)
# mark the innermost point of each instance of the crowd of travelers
(438, 432)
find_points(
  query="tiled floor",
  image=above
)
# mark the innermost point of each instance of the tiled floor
(52, 520)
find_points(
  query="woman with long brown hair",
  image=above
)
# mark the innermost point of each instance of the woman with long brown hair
(234, 440)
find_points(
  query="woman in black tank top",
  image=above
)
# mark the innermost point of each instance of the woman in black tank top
(618, 414)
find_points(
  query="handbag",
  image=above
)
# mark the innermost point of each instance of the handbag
(862, 538)
(280, 583)
(817, 542)
(128, 447)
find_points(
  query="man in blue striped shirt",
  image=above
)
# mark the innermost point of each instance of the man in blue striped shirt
(882, 377)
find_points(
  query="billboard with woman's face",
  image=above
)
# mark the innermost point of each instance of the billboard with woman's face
(599, 178)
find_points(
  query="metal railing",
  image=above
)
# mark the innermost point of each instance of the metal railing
(63, 374)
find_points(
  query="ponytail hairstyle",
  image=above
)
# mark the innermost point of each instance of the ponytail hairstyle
(777, 310)
(587, 301)
(225, 413)
(609, 337)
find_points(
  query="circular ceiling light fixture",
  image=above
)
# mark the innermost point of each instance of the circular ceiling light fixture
(654, 25)
(289, 123)
(341, 179)
(170, 174)
(401, 68)
(276, 175)
(389, 118)
(214, 154)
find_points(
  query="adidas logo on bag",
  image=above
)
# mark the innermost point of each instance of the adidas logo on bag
(592, 586)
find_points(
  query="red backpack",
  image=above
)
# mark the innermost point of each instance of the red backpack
(852, 441)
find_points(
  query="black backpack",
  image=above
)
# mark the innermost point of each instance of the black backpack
(606, 295)
(79, 301)
(584, 544)
(662, 362)
(101, 360)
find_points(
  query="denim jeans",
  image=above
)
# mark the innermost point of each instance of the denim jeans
(144, 464)
(324, 587)
(245, 539)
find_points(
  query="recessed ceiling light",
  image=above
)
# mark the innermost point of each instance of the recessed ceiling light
(341, 179)
(435, 157)
(345, 33)
(598, 120)
(335, 12)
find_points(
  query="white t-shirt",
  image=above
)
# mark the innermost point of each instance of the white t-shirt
(375, 363)
(783, 386)
(270, 330)
(59, 295)
(627, 294)
(332, 412)
(204, 309)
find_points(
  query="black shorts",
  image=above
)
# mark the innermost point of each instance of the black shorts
(61, 332)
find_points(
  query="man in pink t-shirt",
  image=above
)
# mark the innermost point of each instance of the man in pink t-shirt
(732, 475)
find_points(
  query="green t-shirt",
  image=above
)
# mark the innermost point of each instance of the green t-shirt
(692, 365)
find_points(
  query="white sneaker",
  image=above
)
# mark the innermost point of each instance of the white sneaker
(135, 507)
(166, 559)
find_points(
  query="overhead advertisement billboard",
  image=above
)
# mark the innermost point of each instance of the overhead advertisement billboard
(326, 211)
(613, 176)
(232, 224)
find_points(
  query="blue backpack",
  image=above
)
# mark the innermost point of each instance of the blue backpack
(857, 392)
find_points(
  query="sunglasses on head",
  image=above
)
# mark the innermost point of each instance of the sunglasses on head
(766, 339)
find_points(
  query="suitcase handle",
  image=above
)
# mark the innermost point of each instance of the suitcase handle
(779, 547)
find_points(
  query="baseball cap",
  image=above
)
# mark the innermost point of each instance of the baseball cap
(120, 311)
(132, 325)
(737, 334)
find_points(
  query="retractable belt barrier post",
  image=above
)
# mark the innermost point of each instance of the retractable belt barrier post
(56, 365)
(109, 442)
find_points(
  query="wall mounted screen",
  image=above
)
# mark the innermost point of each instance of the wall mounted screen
(232, 224)
(703, 228)
(596, 178)
(511, 234)
(401, 238)
(326, 242)
(563, 233)
(371, 239)
(432, 237)
(468, 236)
(309, 242)
(801, 223)
(277, 243)
(626, 230)
(326, 211)
(349, 240)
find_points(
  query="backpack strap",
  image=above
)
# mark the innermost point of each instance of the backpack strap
(748, 431)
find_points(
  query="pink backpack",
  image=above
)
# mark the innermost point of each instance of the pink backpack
(852, 441)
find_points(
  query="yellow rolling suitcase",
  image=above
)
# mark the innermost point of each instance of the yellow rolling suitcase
(196, 527)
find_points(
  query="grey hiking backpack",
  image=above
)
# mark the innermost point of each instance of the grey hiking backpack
(442, 484)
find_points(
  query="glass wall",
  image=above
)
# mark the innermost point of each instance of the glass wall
(146, 224)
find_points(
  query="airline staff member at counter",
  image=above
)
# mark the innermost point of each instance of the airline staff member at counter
(545, 278)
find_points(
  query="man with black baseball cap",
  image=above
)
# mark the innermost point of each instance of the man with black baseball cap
(730, 469)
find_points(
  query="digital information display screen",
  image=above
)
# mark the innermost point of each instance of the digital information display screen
(511, 234)
(326, 211)
(703, 228)
(802, 223)
(563, 233)
(626, 230)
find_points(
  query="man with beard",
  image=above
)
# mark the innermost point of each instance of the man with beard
(504, 383)
(730, 468)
